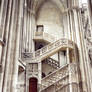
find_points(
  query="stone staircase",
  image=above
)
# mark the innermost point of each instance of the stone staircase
(54, 77)
(60, 78)
(52, 62)
(61, 72)
(48, 50)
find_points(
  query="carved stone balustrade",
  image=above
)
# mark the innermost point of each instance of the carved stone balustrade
(65, 88)
(60, 78)
(49, 50)
(32, 70)
(60, 84)
(53, 63)
(54, 77)
(73, 68)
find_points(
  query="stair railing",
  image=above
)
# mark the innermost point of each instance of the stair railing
(48, 48)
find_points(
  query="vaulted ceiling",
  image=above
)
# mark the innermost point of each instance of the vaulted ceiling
(35, 4)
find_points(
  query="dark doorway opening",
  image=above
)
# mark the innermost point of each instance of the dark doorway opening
(32, 85)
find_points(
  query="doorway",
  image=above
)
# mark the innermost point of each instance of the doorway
(32, 85)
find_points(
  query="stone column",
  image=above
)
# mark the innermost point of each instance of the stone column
(12, 50)
(89, 8)
(69, 69)
(3, 17)
(1, 31)
(3, 11)
(24, 30)
(33, 69)
(65, 28)
(39, 75)
(62, 59)
(86, 62)
(71, 24)
(32, 29)
(79, 41)
(15, 67)
(69, 28)
(39, 72)
(6, 37)
(1, 46)
(28, 30)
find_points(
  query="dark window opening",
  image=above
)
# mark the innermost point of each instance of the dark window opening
(39, 28)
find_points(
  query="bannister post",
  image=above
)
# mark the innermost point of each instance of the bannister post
(70, 78)
(39, 72)
(39, 75)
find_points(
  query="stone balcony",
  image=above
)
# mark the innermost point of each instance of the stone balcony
(42, 36)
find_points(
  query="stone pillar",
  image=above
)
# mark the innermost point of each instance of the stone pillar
(87, 63)
(39, 75)
(3, 17)
(24, 33)
(72, 25)
(39, 72)
(1, 13)
(62, 59)
(11, 58)
(69, 28)
(1, 46)
(28, 30)
(89, 2)
(15, 67)
(1, 36)
(79, 41)
(69, 69)
(32, 29)
(6, 38)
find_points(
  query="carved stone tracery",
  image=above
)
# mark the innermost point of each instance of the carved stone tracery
(32, 70)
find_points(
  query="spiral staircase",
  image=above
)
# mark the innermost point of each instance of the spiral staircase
(62, 78)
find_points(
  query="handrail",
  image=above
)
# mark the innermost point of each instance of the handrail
(52, 62)
(59, 74)
(73, 67)
(73, 83)
(48, 48)
(55, 71)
